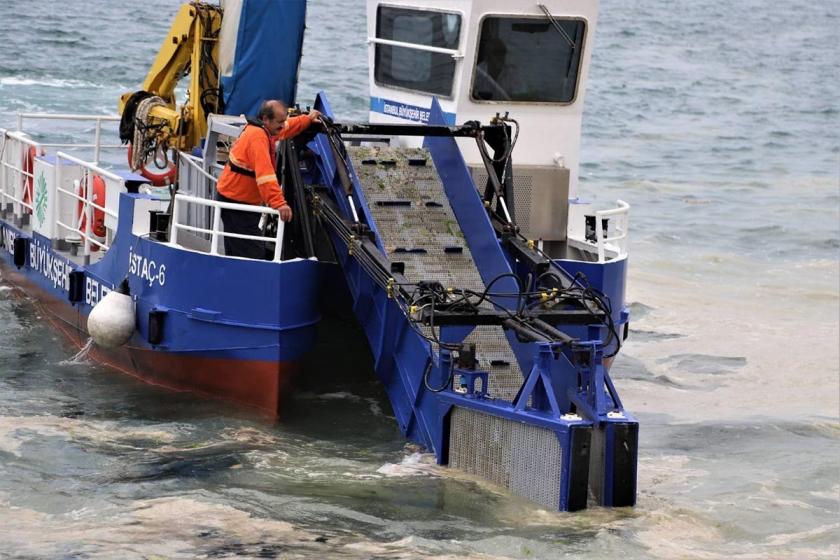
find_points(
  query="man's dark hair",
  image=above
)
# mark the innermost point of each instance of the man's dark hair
(267, 109)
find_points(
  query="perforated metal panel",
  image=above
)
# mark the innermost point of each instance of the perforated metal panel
(193, 183)
(418, 227)
(525, 459)
(536, 470)
(540, 199)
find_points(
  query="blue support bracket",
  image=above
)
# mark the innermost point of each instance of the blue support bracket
(590, 395)
(540, 377)
(466, 379)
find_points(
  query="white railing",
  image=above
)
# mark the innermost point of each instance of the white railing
(15, 172)
(16, 168)
(613, 242)
(193, 162)
(619, 222)
(97, 133)
(89, 170)
(216, 230)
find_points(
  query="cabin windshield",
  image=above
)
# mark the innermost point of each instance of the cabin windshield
(410, 67)
(526, 59)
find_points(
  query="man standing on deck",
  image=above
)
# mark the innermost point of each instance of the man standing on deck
(250, 176)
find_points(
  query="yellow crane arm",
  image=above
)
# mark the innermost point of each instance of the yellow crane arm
(173, 56)
(190, 46)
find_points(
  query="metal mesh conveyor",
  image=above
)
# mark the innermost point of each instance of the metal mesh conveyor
(418, 227)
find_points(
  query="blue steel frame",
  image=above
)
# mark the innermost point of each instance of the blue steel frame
(569, 388)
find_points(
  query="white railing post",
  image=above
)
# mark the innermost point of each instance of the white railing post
(57, 186)
(278, 241)
(173, 221)
(23, 175)
(17, 170)
(30, 179)
(217, 222)
(3, 170)
(88, 210)
(599, 235)
(97, 139)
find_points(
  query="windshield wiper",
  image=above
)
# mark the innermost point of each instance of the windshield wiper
(556, 25)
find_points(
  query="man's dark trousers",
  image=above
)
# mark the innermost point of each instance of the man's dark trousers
(245, 223)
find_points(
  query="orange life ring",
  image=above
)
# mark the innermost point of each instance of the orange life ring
(98, 197)
(29, 179)
(165, 177)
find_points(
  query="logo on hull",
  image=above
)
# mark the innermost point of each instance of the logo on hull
(41, 199)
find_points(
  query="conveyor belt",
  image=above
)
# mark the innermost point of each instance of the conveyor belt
(418, 227)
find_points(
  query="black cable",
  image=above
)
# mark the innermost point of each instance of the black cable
(434, 296)
(446, 383)
(521, 304)
(209, 70)
(372, 268)
(589, 293)
(496, 279)
(511, 144)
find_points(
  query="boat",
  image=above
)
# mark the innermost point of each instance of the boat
(225, 345)
(490, 294)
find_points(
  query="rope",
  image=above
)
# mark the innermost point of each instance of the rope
(144, 142)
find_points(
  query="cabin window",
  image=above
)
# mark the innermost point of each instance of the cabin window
(528, 59)
(410, 67)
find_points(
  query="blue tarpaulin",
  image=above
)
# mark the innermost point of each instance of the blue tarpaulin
(268, 48)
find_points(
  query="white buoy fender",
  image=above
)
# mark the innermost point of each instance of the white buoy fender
(112, 320)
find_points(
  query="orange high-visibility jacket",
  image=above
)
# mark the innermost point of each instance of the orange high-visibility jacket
(253, 152)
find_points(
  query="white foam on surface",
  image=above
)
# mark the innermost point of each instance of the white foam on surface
(415, 464)
(18, 430)
(48, 82)
(81, 357)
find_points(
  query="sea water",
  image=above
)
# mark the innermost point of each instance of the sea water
(717, 121)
